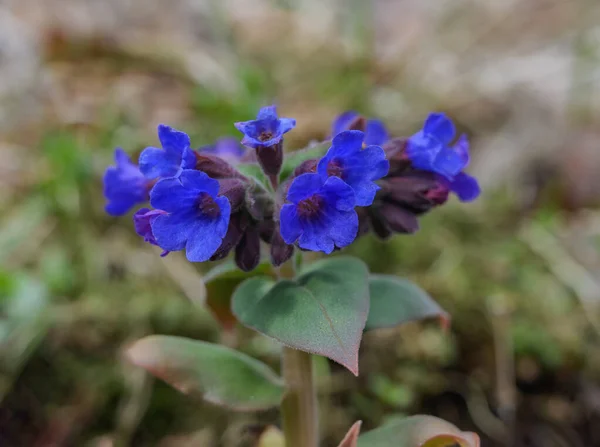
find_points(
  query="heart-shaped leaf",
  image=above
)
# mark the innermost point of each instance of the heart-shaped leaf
(418, 431)
(220, 283)
(219, 374)
(396, 300)
(351, 438)
(323, 311)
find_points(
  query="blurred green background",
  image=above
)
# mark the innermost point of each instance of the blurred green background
(519, 270)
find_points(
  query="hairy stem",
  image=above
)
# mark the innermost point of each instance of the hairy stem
(299, 408)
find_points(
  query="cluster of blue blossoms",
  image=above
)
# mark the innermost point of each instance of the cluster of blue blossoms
(366, 181)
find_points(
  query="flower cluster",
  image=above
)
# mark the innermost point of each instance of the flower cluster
(208, 203)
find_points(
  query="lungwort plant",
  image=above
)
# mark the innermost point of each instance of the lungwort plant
(244, 198)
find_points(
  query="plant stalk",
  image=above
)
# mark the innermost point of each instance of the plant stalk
(299, 407)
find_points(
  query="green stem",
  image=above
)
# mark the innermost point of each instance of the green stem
(299, 407)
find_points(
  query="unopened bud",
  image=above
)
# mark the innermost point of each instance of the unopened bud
(280, 251)
(247, 252)
(235, 191)
(215, 166)
(270, 158)
(306, 167)
(237, 226)
(398, 219)
(395, 152)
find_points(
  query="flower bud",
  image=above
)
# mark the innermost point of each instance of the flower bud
(308, 166)
(398, 219)
(358, 123)
(417, 191)
(238, 223)
(270, 158)
(266, 229)
(215, 166)
(247, 252)
(395, 152)
(280, 251)
(378, 225)
(235, 191)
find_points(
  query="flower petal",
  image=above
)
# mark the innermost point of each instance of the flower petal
(170, 195)
(290, 226)
(376, 133)
(286, 124)
(304, 186)
(315, 237)
(448, 163)
(121, 157)
(172, 231)
(199, 182)
(343, 228)
(207, 235)
(339, 194)
(440, 126)
(347, 141)
(267, 113)
(342, 122)
(118, 208)
(173, 140)
(422, 149)
(465, 187)
(155, 162)
(462, 149)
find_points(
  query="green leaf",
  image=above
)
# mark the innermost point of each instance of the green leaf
(220, 283)
(221, 375)
(396, 301)
(293, 159)
(323, 311)
(23, 322)
(418, 431)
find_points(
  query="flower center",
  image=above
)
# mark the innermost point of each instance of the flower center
(208, 206)
(265, 135)
(310, 206)
(334, 169)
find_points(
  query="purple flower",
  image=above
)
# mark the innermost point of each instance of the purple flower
(169, 161)
(430, 150)
(195, 217)
(228, 148)
(142, 220)
(124, 185)
(356, 166)
(266, 130)
(321, 214)
(375, 131)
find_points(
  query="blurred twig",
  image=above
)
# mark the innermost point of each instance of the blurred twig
(566, 269)
(506, 393)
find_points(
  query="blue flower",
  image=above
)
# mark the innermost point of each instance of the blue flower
(228, 148)
(169, 161)
(142, 220)
(195, 217)
(356, 166)
(430, 150)
(321, 214)
(375, 131)
(124, 185)
(266, 130)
